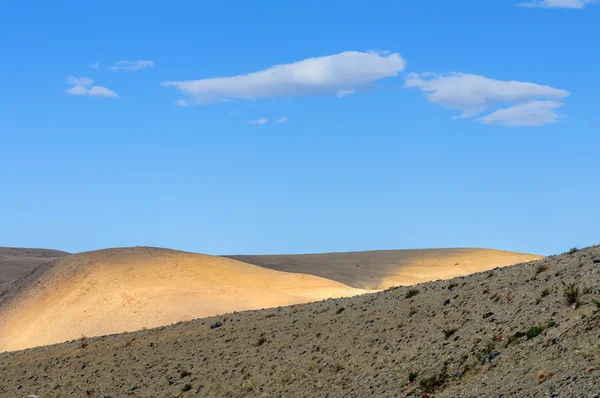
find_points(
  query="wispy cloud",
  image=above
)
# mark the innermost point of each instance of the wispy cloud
(343, 93)
(183, 103)
(283, 119)
(84, 86)
(532, 113)
(474, 94)
(95, 65)
(131, 66)
(310, 76)
(576, 4)
(262, 120)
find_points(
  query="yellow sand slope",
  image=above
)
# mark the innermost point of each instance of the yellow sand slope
(381, 269)
(117, 290)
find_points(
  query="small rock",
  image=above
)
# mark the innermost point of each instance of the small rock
(215, 325)
(596, 260)
(448, 301)
(489, 357)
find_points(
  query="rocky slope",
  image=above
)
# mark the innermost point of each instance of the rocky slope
(529, 330)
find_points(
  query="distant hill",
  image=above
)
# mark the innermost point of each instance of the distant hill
(381, 269)
(16, 262)
(116, 290)
(528, 330)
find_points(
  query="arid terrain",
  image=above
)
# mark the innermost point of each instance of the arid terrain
(123, 290)
(118, 290)
(528, 330)
(16, 262)
(381, 269)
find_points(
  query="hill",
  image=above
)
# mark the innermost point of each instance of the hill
(117, 290)
(16, 262)
(381, 269)
(528, 330)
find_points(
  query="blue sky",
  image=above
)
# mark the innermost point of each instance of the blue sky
(291, 127)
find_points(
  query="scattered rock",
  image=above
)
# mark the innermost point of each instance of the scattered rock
(216, 325)
(491, 357)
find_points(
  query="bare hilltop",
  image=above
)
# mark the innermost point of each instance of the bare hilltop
(527, 330)
(16, 262)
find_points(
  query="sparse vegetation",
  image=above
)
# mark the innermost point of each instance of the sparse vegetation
(262, 340)
(542, 376)
(412, 376)
(572, 295)
(452, 286)
(449, 332)
(534, 331)
(186, 387)
(541, 268)
(254, 384)
(596, 302)
(573, 250)
(313, 365)
(432, 384)
(546, 292)
(184, 373)
(338, 367)
(411, 293)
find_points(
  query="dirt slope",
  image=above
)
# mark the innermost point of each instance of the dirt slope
(117, 290)
(382, 269)
(16, 262)
(470, 337)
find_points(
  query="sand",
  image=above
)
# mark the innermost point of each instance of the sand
(118, 290)
(381, 269)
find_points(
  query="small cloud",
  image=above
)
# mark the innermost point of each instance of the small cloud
(532, 114)
(131, 66)
(95, 65)
(473, 94)
(574, 4)
(262, 120)
(326, 74)
(283, 119)
(183, 103)
(81, 86)
(343, 93)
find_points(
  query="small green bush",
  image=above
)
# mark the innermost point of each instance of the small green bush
(449, 332)
(572, 295)
(412, 376)
(534, 331)
(411, 293)
(186, 387)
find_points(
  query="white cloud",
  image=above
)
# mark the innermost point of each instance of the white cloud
(532, 113)
(95, 65)
(309, 76)
(343, 93)
(81, 86)
(131, 66)
(577, 4)
(473, 94)
(283, 119)
(262, 120)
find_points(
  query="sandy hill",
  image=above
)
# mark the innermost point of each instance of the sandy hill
(529, 330)
(16, 262)
(381, 269)
(117, 290)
